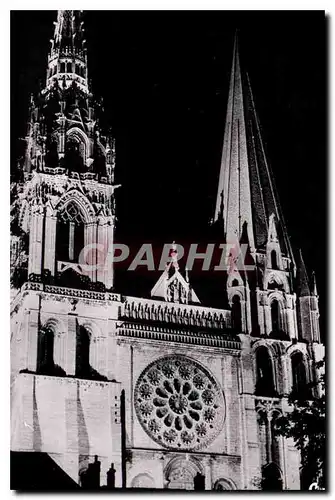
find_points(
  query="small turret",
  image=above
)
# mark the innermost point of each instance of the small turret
(302, 278)
(308, 304)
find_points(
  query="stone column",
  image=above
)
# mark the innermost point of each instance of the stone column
(268, 438)
(260, 311)
(112, 351)
(36, 240)
(102, 240)
(71, 240)
(70, 363)
(109, 277)
(50, 243)
(32, 334)
(90, 239)
(248, 310)
(282, 461)
(267, 315)
(208, 475)
(290, 317)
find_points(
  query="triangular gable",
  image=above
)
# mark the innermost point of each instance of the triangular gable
(174, 288)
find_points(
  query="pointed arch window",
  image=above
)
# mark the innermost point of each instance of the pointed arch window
(264, 373)
(87, 355)
(69, 67)
(299, 376)
(76, 150)
(275, 439)
(275, 315)
(45, 354)
(74, 154)
(83, 352)
(274, 263)
(70, 233)
(236, 313)
(62, 67)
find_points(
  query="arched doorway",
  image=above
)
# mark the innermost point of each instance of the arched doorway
(224, 484)
(143, 481)
(180, 474)
(271, 478)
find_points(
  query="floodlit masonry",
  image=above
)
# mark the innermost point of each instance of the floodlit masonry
(162, 391)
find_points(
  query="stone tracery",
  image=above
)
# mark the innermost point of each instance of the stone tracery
(179, 403)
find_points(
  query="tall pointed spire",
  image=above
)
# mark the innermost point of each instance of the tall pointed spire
(233, 198)
(246, 194)
(67, 61)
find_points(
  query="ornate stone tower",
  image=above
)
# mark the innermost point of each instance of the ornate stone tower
(272, 304)
(249, 207)
(62, 223)
(66, 198)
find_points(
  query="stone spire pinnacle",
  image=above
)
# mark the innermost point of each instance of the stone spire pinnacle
(302, 278)
(246, 195)
(314, 288)
(174, 257)
(67, 61)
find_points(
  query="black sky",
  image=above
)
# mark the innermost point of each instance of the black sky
(164, 78)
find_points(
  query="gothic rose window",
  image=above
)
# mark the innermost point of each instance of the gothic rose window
(179, 403)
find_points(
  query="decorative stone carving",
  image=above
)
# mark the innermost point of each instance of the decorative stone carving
(179, 403)
(170, 313)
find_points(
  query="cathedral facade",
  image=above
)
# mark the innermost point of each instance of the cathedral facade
(159, 392)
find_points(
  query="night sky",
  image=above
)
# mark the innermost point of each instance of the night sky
(164, 78)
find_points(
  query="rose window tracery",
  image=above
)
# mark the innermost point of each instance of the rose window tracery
(179, 403)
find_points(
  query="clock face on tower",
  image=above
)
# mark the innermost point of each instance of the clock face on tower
(179, 403)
